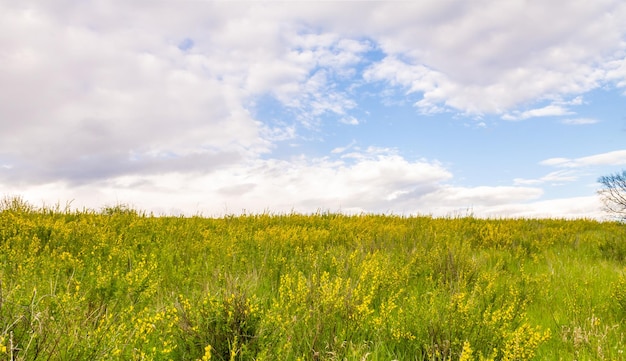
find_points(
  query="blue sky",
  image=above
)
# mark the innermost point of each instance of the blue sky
(498, 109)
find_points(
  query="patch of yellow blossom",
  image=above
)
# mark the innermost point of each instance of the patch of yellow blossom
(207, 353)
(466, 353)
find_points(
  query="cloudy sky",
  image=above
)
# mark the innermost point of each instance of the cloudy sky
(494, 108)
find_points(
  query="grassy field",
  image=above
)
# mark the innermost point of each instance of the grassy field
(120, 285)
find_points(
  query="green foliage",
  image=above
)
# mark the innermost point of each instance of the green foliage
(122, 285)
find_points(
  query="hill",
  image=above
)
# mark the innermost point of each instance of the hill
(121, 285)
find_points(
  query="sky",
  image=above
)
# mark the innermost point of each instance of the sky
(446, 108)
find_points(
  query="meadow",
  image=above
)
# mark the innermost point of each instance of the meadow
(118, 284)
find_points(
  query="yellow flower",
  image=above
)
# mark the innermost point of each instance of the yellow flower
(466, 353)
(3, 347)
(207, 353)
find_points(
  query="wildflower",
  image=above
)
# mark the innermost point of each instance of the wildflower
(207, 353)
(466, 353)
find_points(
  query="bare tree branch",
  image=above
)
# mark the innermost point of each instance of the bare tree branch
(613, 193)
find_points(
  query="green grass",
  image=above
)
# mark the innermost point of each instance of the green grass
(121, 285)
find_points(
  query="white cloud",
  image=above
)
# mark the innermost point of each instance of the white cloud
(580, 121)
(87, 99)
(559, 176)
(589, 207)
(371, 180)
(97, 98)
(497, 56)
(416, 79)
(365, 184)
(617, 157)
(475, 59)
(339, 150)
(547, 111)
(555, 161)
(164, 195)
(557, 108)
(350, 120)
(483, 196)
(616, 71)
(526, 182)
(92, 95)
